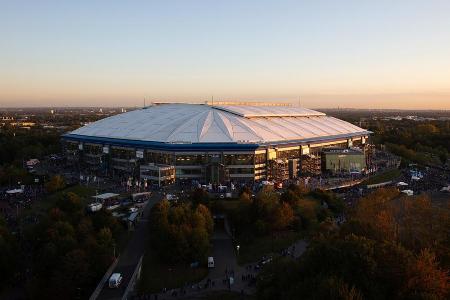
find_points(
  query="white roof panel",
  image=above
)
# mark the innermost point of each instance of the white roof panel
(248, 111)
(197, 123)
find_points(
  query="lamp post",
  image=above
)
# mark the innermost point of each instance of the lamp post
(237, 248)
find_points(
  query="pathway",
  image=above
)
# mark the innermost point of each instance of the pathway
(225, 266)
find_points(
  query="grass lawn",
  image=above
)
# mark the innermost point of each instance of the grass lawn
(383, 177)
(156, 275)
(252, 250)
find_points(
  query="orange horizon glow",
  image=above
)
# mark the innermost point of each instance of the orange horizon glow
(350, 54)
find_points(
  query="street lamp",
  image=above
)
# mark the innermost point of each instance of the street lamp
(237, 248)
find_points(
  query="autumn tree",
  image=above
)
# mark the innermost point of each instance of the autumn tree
(425, 278)
(55, 183)
(283, 216)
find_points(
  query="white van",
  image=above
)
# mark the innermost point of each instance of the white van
(115, 280)
(93, 207)
(210, 262)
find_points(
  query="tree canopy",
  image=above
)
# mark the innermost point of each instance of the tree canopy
(181, 233)
(391, 247)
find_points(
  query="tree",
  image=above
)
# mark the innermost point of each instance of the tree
(427, 129)
(335, 288)
(72, 277)
(265, 203)
(283, 217)
(290, 196)
(56, 183)
(181, 233)
(307, 211)
(277, 280)
(199, 196)
(105, 238)
(199, 244)
(245, 198)
(70, 250)
(426, 279)
(71, 206)
(208, 219)
(386, 250)
(334, 203)
(8, 255)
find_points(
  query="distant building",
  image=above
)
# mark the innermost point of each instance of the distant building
(212, 143)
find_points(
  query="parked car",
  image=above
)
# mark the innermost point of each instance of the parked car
(115, 280)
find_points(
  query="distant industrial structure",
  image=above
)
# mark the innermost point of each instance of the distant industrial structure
(218, 143)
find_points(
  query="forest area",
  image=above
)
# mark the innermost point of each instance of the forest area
(391, 247)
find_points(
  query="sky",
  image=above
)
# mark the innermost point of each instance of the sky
(360, 54)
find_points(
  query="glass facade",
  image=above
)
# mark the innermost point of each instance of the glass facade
(123, 153)
(214, 166)
(241, 171)
(158, 157)
(157, 173)
(93, 149)
(238, 159)
(191, 160)
(260, 158)
(72, 146)
(189, 172)
(288, 154)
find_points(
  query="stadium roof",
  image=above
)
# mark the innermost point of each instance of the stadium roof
(268, 111)
(200, 123)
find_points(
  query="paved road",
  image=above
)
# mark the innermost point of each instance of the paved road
(223, 253)
(225, 259)
(132, 253)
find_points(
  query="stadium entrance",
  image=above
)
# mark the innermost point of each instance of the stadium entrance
(216, 173)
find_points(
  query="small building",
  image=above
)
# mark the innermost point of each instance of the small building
(157, 173)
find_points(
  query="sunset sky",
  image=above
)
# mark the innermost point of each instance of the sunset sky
(362, 54)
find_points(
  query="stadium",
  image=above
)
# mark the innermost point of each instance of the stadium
(215, 143)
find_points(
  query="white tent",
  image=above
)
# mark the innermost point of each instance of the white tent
(105, 196)
(14, 191)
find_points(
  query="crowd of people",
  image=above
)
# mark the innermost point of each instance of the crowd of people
(13, 201)
(231, 281)
(242, 281)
